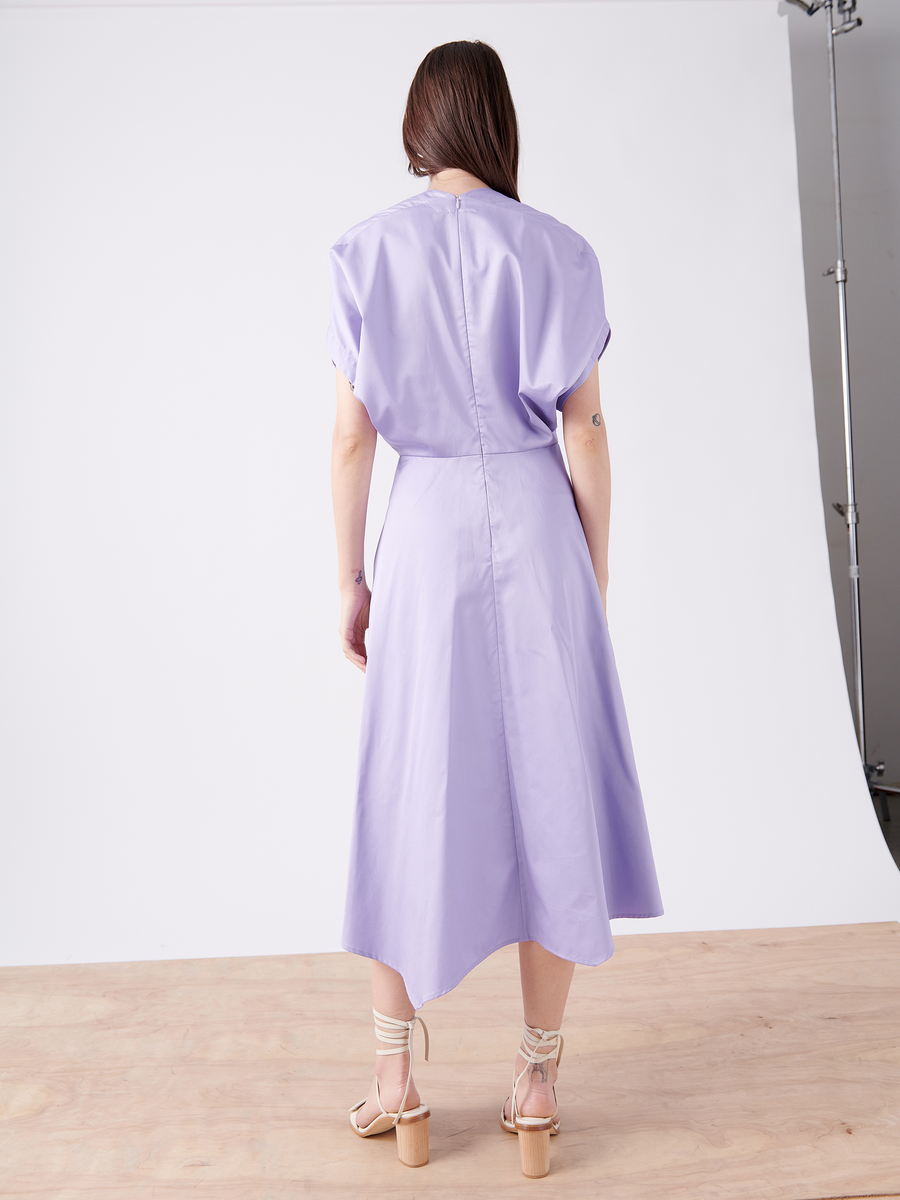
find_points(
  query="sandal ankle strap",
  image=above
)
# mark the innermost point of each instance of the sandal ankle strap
(399, 1036)
(388, 1029)
(533, 1039)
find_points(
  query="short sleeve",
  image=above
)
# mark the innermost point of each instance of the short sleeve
(342, 339)
(597, 353)
(587, 330)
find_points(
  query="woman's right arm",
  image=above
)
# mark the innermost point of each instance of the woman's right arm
(584, 431)
(352, 455)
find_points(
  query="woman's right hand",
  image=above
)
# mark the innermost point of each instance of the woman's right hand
(354, 623)
(352, 455)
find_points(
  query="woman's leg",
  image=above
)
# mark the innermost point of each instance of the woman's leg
(545, 989)
(389, 997)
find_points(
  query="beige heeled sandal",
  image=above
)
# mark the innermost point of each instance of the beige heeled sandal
(534, 1132)
(412, 1126)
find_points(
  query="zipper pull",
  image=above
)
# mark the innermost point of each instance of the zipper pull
(457, 203)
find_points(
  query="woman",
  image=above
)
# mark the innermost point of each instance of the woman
(497, 799)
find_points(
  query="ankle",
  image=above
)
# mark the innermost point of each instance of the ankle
(392, 1066)
(379, 1045)
(536, 1074)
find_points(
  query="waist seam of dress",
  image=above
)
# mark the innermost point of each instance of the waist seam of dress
(482, 454)
(487, 503)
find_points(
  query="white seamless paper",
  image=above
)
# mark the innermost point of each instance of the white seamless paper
(178, 723)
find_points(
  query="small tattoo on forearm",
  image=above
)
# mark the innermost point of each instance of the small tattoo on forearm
(596, 419)
(358, 578)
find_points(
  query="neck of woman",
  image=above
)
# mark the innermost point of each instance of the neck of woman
(454, 180)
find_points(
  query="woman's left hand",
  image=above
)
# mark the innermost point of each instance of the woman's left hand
(354, 623)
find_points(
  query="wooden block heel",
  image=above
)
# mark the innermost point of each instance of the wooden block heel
(534, 1150)
(412, 1141)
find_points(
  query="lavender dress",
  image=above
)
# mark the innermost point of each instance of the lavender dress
(497, 799)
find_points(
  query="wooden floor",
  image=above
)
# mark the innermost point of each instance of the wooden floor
(717, 1066)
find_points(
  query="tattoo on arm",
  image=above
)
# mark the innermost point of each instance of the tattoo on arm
(358, 579)
(596, 419)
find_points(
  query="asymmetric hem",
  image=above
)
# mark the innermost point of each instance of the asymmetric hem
(417, 1002)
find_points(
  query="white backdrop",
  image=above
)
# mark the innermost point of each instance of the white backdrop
(179, 725)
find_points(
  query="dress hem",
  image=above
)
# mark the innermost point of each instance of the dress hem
(510, 941)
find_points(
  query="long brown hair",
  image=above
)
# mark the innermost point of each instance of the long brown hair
(460, 113)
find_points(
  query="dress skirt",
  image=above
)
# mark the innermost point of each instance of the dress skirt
(497, 798)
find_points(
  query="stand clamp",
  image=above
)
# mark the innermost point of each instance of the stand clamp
(874, 772)
(850, 512)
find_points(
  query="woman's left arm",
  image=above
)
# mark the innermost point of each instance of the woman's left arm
(352, 455)
(584, 431)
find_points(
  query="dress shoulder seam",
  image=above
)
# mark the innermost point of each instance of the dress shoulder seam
(355, 230)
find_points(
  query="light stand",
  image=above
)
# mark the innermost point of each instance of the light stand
(844, 10)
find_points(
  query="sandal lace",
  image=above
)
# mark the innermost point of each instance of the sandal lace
(533, 1039)
(399, 1036)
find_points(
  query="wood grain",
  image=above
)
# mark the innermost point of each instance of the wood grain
(760, 1064)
